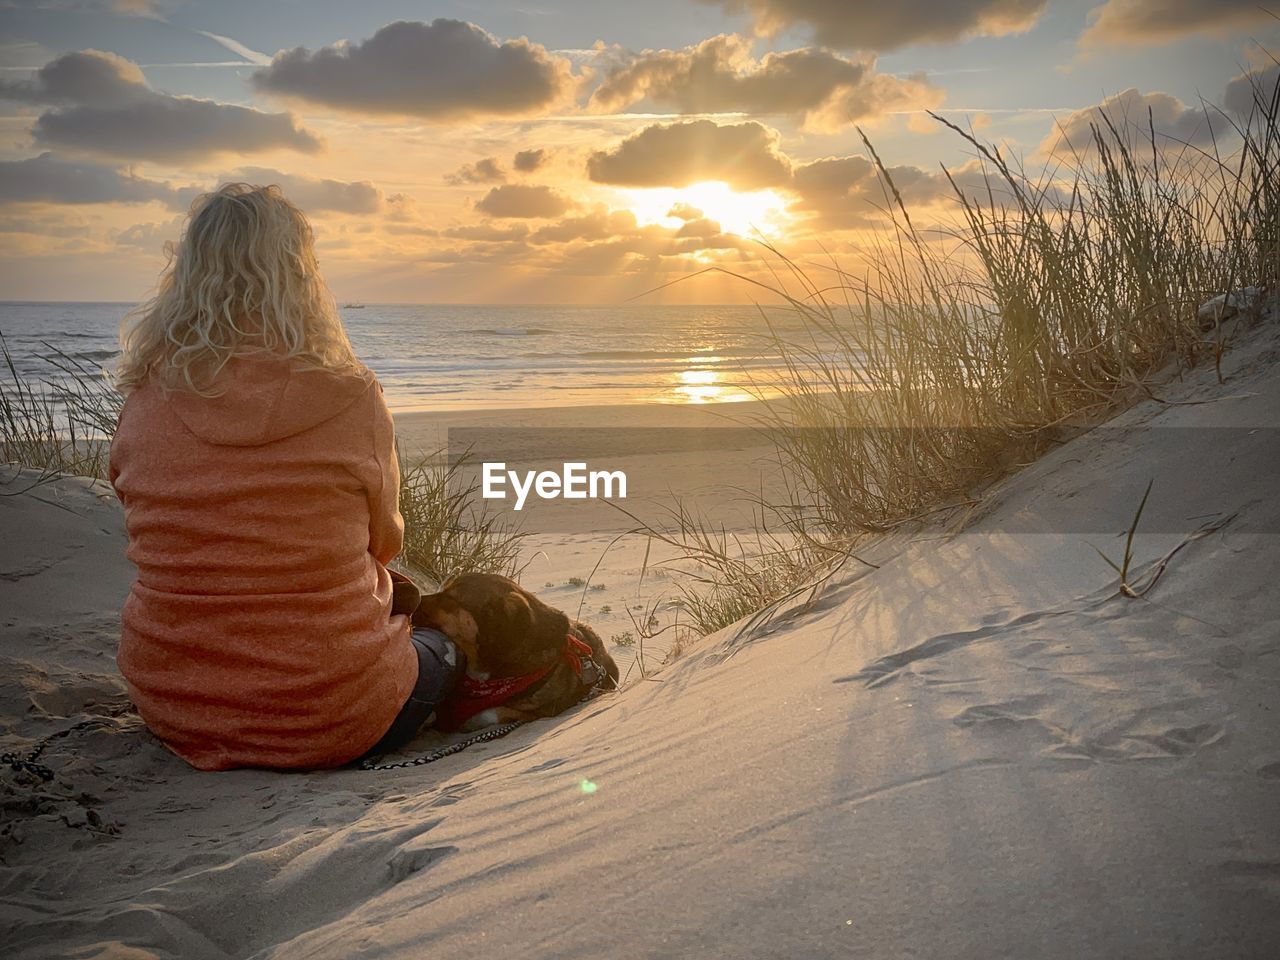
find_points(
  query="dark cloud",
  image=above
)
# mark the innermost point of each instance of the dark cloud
(744, 155)
(1142, 22)
(1239, 96)
(841, 192)
(832, 178)
(313, 195)
(443, 70)
(487, 170)
(527, 161)
(50, 179)
(165, 128)
(823, 89)
(523, 200)
(101, 104)
(1133, 114)
(885, 25)
(86, 77)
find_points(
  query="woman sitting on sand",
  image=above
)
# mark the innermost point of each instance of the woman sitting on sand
(255, 458)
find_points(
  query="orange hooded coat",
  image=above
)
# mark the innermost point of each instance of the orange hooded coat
(258, 632)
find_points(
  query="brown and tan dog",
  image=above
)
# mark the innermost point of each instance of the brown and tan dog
(514, 643)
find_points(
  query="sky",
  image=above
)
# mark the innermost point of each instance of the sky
(564, 151)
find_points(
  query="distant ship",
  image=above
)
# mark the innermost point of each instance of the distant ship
(353, 306)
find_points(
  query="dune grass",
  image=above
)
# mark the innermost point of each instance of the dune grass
(60, 424)
(445, 532)
(952, 353)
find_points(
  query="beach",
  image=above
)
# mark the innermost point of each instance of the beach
(971, 745)
(588, 556)
(891, 394)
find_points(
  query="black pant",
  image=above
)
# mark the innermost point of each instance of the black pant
(440, 666)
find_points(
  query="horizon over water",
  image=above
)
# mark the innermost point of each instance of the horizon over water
(475, 357)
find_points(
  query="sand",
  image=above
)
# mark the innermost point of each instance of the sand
(715, 457)
(976, 750)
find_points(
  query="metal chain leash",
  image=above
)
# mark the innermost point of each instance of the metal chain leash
(483, 737)
(18, 763)
(595, 683)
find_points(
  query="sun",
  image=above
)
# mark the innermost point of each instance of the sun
(742, 212)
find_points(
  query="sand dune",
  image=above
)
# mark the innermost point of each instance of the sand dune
(976, 750)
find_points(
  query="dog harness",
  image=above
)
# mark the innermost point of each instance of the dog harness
(472, 696)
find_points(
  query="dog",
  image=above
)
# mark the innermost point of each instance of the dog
(525, 659)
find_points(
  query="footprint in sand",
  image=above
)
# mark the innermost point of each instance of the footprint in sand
(1021, 710)
(1019, 718)
(1173, 743)
(409, 860)
(546, 765)
(451, 794)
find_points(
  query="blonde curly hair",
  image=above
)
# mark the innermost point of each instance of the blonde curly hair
(243, 279)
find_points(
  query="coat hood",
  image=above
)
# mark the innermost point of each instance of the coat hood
(264, 399)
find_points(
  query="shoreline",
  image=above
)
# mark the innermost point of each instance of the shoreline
(638, 413)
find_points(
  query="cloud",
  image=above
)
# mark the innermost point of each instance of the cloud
(488, 232)
(744, 155)
(883, 26)
(402, 208)
(842, 192)
(1133, 113)
(1145, 22)
(125, 8)
(1239, 95)
(601, 242)
(825, 90)
(701, 228)
(50, 179)
(600, 224)
(640, 251)
(527, 161)
(523, 200)
(150, 236)
(135, 8)
(165, 128)
(832, 179)
(313, 194)
(443, 70)
(91, 77)
(487, 170)
(685, 211)
(239, 49)
(101, 104)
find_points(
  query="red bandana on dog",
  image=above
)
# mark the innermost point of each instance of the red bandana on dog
(472, 696)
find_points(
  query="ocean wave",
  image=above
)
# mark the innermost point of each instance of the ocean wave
(513, 332)
(93, 354)
(676, 356)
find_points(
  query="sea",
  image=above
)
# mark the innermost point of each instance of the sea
(465, 357)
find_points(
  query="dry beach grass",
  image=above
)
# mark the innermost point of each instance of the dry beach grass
(962, 350)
